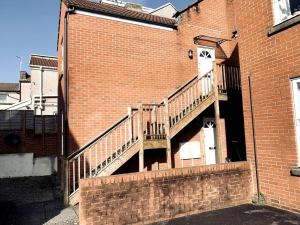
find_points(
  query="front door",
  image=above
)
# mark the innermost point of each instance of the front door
(206, 57)
(296, 93)
(209, 140)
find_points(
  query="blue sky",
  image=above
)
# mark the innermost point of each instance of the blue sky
(30, 26)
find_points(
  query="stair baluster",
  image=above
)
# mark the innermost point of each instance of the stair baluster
(148, 123)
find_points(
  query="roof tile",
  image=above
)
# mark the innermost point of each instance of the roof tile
(9, 87)
(46, 61)
(119, 11)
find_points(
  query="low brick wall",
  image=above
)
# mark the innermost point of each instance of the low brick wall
(141, 198)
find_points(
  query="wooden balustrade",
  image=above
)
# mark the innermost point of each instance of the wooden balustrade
(149, 122)
(190, 97)
(100, 153)
(228, 78)
(154, 121)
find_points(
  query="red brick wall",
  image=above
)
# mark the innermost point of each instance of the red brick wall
(156, 196)
(272, 61)
(113, 65)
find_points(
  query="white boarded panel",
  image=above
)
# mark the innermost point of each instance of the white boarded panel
(190, 150)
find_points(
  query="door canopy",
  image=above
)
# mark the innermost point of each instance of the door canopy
(213, 42)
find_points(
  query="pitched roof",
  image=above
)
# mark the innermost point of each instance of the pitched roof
(41, 60)
(9, 87)
(120, 12)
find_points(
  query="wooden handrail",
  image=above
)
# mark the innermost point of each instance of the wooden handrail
(181, 88)
(79, 151)
(149, 122)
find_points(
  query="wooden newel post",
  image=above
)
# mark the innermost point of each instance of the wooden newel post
(217, 114)
(167, 131)
(130, 125)
(141, 138)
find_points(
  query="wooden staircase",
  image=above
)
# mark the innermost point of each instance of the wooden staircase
(150, 126)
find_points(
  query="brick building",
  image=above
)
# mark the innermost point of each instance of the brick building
(269, 50)
(111, 58)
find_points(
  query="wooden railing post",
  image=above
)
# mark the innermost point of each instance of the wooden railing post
(141, 138)
(217, 113)
(167, 131)
(130, 124)
(199, 86)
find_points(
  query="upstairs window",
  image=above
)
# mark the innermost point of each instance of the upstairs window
(285, 9)
(3, 98)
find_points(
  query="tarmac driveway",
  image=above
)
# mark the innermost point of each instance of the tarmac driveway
(240, 215)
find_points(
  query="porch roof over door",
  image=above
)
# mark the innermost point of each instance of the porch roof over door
(214, 42)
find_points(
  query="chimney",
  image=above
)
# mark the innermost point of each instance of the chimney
(134, 7)
(24, 75)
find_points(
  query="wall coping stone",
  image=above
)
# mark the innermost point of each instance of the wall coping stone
(189, 171)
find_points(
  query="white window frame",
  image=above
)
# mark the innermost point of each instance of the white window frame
(296, 104)
(278, 8)
(6, 97)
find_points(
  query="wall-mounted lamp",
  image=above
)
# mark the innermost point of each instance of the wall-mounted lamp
(234, 32)
(191, 54)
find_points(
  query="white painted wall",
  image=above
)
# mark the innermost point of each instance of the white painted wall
(167, 11)
(50, 88)
(50, 82)
(25, 165)
(25, 90)
(12, 98)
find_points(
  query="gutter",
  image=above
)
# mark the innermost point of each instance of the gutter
(41, 87)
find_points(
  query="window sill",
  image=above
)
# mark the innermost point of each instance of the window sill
(284, 25)
(295, 172)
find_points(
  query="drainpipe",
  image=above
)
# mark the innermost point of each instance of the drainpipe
(41, 88)
(65, 166)
(259, 200)
(65, 111)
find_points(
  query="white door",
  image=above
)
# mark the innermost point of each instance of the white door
(206, 57)
(296, 93)
(209, 140)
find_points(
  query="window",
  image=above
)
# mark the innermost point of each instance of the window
(285, 9)
(296, 98)
(3, 98)
(205, 54)
(190, 150)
